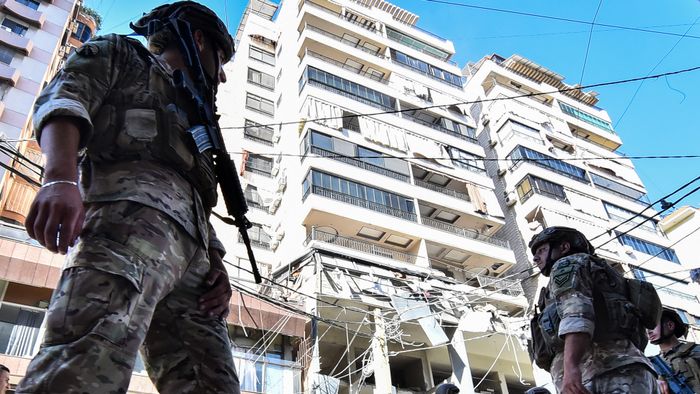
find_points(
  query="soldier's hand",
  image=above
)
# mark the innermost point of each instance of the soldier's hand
(216, 300)
(56, 217)
(572, 383)
(663, 387)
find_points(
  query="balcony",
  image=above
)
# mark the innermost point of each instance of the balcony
(368, 25)
(21, 11)
(349, 95)
(463, 232)
(362, 203)
(443, 190)
(9, 75)
(15, 41)
(348, 67)
(439, 128)
(359, 245)
(360, 164)
(342, 40)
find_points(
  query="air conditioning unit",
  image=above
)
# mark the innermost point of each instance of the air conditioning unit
(510, 199)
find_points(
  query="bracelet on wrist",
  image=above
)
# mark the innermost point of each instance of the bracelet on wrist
(60, 182)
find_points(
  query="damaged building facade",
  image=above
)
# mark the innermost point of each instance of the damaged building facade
(395, 262)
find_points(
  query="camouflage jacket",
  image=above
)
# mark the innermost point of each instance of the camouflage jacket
(684, 359)
(110, 81)
(571, 288)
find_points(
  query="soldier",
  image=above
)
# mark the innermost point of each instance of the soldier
(4, 379)
(147, 270)
(588, 334)
(683, 358)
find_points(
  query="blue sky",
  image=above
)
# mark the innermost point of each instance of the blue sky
(660, 120)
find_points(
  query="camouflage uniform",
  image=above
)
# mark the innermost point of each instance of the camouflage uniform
(611, 366)
(684, 359)
(135, 276)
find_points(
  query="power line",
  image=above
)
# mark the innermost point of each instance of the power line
(562, 19)
(486, 100)
(558, 33)
(639, 214)
(588, 45)
(639, 87)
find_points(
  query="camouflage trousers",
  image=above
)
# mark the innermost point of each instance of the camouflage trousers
(629, 379)
(132, 281)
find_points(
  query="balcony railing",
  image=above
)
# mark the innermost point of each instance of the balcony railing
(677, 293)
(525, 136)
(348, 95)
(509, 287)
(443, 190)
(545, 193)
(359, 245)
(439, 128)
(362, 203)
(464, 232)
(348, 67)
(338, 15)
(343, 40)
(360, 164)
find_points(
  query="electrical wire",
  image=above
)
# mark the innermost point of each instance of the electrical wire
(562, 19)
(485, 100)
(649, 206)
(588, 45)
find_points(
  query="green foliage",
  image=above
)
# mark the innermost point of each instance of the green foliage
(92, 13)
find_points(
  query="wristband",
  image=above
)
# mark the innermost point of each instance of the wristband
(59, 182)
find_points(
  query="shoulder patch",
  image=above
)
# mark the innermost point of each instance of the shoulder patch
(563, 276)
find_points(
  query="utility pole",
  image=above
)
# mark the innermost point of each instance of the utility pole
(380, 353)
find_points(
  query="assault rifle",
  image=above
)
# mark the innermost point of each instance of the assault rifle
(676, 382)
(208, 135)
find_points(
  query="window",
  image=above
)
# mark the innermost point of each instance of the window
(19, 329)
(425, 68)
(458, 128)
(259, 165)
(258, 132)
(370, 156)
(639, 274)
(30, 3)
(683, 315)
(616, 187)
(467, 160)
(82, 33)
(347, 88)
(261, 79)
(649, 248)
(14, 27)
(533, 185)
(586, 117)
(622, 214)
(322, 141)
(252, 197)
(418, 45)
(521, 153)
(257, 103)
(351, 122)
(6, 55)
(262, 55)
(258, 236)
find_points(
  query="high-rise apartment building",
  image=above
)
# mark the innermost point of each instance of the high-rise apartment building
(557, 164)
(371, 204)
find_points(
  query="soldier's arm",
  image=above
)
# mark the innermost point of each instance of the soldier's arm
(63, 123)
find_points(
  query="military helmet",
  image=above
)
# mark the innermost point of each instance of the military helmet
(199, 17)
(447, 388)
(578, 241)
(681, 329)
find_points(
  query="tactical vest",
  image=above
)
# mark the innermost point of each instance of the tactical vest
(149, 121)
(616, 316)
(682, 362)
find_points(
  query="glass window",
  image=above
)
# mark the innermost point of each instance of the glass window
(426, 68)
(83, 33)
(467, 160)
(33, 4)
(616, 187)
(262, 55)
(532, 184)
(622, 214)
(586, 117)
(19, 329)
(261, 78)
(6, 55)
(260, 104)
(416, 44)
(259, 164)
(14, 27)
(351, 88)
(322, 141)
(370, 156)
(649, 248)
(521, 153)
